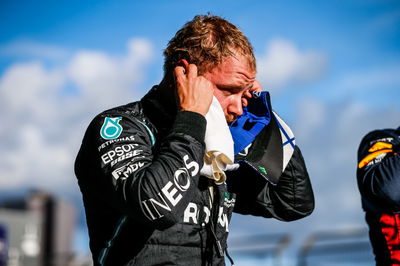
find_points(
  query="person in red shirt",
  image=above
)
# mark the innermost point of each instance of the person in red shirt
(378, 177)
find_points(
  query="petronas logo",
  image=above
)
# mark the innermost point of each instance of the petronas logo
(111, 128)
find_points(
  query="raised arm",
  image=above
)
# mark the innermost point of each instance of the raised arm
(378, 171)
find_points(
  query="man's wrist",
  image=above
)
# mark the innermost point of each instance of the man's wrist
(193, 110)
(190, 123)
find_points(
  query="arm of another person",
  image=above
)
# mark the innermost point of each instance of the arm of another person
(379, 169)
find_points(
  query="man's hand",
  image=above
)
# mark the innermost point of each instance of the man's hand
(247, 94)
(195, 92)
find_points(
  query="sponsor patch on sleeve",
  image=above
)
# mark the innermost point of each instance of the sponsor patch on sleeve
(377, 152)
(127, 169)
(111, 129)
(121, 153)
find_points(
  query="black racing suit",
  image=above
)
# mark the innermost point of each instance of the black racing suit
(378, 177)
(145, 201)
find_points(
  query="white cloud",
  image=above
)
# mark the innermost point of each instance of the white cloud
(26, 87)
(110, 79)
(140, 49)
(43, 124)
(284, 63)
(36, 161)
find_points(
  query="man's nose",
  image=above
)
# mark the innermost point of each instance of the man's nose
(236, 107)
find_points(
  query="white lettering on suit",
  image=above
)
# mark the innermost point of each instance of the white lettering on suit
(171, 193)
(223, 219)
(153, 202)
(120, 153)
(191, 213)
(125, 170)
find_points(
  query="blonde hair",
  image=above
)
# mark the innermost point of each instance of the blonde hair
(205, 41)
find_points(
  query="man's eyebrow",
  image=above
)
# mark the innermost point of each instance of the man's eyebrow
(247, 77)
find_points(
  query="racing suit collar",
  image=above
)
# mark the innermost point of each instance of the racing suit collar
(160, 106)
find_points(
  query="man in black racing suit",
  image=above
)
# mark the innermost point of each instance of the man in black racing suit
(139, 164)
(378, 177)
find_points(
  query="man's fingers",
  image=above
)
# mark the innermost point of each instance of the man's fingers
(185, 69)
(256, 86)
(179, 72)
(244, 102)
(192, 71)
(247, 94)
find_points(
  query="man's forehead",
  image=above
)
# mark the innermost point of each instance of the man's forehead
(236, 65)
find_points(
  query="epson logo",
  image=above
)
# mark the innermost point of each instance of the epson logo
(119, 152)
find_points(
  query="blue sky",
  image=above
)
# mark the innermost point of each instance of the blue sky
(332, 67)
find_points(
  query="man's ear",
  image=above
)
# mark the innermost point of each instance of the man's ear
(183, 62)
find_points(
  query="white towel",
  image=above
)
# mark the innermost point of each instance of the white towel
(219, 155)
